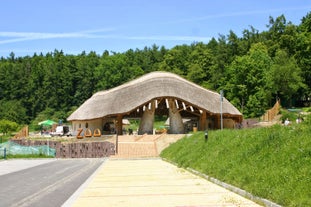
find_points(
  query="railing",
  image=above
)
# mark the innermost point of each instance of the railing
(271, 113)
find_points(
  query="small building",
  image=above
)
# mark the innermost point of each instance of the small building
(156, 93)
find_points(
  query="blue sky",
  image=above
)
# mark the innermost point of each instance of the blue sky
(29, 26)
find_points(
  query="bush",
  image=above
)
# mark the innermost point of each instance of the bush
(307, 109)
(7, 126)
(291, 116)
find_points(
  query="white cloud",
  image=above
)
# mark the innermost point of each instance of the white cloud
(26, 36)
(12, 37)
(236, 14)
(171, 38)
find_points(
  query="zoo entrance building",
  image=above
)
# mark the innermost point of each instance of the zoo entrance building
(186, 105)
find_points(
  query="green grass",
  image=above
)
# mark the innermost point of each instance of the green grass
(159, 122)
(307, 109)
(27, 156)
(4, 138)
(273, 163)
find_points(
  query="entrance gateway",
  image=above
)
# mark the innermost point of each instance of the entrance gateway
(186, 104)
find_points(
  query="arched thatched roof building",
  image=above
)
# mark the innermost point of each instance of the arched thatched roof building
(156, 93)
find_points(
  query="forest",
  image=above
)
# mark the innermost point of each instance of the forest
(253, 69)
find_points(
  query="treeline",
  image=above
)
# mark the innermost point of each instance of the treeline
(253, 70)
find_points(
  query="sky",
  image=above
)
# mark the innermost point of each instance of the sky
(74, 26)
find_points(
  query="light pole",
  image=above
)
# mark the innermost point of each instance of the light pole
(221, 100)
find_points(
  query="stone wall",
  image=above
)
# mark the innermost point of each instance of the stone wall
(74, 149)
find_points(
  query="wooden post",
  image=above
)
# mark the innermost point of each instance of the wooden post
(217, 121)
(119, 124)
(202, 124)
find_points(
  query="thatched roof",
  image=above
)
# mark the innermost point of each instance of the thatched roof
(129, 96)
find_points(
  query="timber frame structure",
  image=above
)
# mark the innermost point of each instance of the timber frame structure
(156, 93)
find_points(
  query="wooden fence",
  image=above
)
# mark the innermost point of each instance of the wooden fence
(24, 132)
(271, 113)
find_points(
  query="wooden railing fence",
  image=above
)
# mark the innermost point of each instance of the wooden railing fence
(24, 132)
(271, 113)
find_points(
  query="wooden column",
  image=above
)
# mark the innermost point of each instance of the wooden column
(217, 121)
(119, 124)
(202, 124)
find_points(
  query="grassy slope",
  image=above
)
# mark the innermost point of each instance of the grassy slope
(273, 163)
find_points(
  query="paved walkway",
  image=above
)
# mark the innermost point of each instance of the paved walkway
(152, 182)
(13, 165)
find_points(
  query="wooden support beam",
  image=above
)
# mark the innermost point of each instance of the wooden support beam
(202, 123)
(167, 104)
(176, 102)
(184, 106)
(191, 108)
(217, 121)
(119, 124)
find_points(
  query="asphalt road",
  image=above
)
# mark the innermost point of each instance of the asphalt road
(48, 185)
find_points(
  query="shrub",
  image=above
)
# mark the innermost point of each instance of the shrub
(7, 126)
(291, 116)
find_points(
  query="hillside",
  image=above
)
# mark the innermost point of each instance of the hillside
(271, 162)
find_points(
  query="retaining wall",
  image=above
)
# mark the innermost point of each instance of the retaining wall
(73, 149)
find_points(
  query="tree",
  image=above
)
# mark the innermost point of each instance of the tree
(84, 77)
(147, 59)
(176, 59)
(246, 81)
(303, 54)
(115, 70)
(7, 126)
(200, 65)
(277, 26)
(13, 110)
(250, 37)
(234, 44)
(242, 66)
(285, 76)
(222, 57)
(36, 96)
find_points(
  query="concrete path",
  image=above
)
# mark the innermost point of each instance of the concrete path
(14, 165)
(152, 182)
